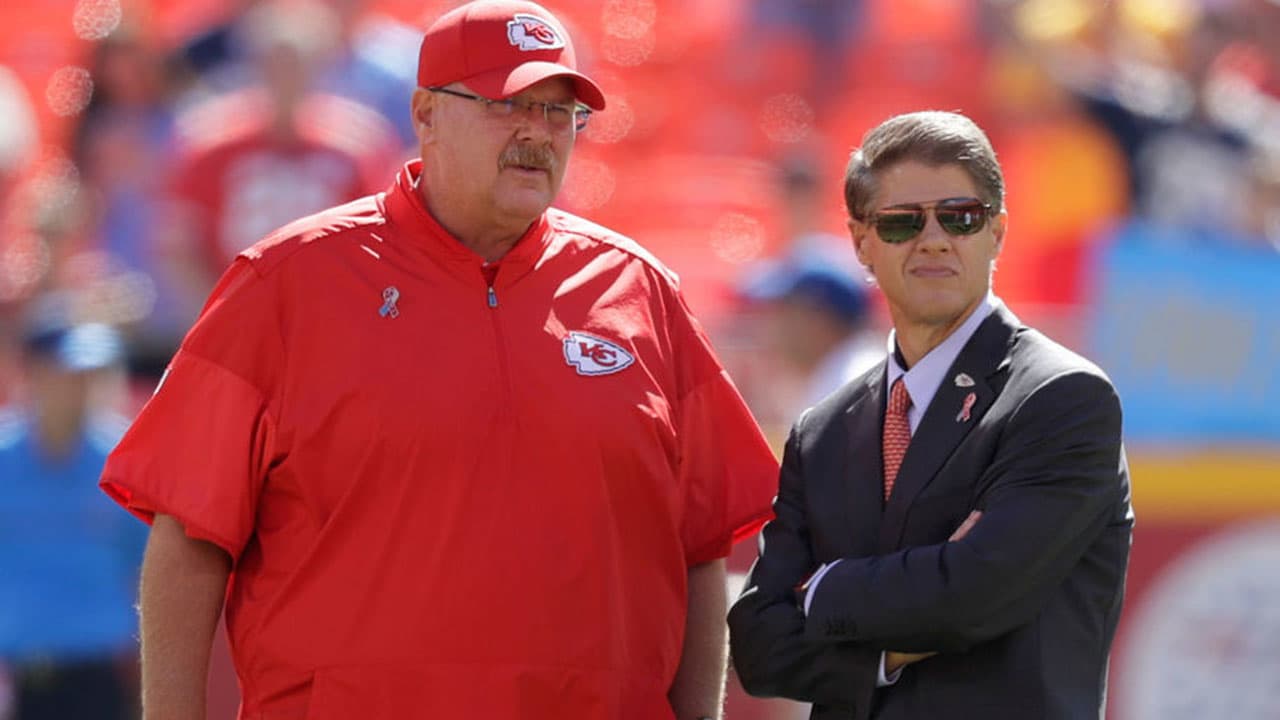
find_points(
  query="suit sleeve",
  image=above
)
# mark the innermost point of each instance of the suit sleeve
(771, 654)
(1054, 484)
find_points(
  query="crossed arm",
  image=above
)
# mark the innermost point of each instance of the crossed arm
(771, 654)
(1044, 497)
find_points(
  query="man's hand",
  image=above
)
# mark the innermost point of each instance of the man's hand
(965, 526)
(893, 661)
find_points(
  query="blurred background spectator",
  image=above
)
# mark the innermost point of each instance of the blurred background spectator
(144, 142)
(366, 55)
(806, 320)
(18, 133)
(69, 565)
(276, 149)
(813, 330)
(124, 146)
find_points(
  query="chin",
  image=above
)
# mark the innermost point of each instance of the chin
(524, 208)
(939, 313)
(525, 202)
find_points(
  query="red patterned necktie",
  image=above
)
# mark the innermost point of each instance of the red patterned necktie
(897, 433)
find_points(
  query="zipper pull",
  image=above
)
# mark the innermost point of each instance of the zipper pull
(490, 273)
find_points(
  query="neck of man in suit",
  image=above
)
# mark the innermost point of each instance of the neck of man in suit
(913, 340)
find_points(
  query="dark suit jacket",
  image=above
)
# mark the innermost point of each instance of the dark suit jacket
(1022, 610)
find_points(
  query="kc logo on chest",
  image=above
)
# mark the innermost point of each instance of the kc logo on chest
(590, 355)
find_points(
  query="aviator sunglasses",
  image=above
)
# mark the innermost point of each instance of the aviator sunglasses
(957, 216)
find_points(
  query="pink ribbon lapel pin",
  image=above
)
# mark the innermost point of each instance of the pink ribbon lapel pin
(969, 401)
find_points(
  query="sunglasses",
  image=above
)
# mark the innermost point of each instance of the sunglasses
(957, 216)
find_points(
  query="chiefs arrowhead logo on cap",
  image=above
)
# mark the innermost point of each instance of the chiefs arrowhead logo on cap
(498, 48)
(530, 32)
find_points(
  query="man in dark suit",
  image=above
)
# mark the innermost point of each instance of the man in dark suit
(952, 528)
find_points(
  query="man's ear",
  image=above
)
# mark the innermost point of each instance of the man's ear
(858, 231)
(422, 107)
(999, 226)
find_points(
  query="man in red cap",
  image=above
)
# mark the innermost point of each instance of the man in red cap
(444, 451)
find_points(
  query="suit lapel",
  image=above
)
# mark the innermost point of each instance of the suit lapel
(945, 423)
(862, 467)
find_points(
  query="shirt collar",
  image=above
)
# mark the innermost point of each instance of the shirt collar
(407, 212)
(926, 376)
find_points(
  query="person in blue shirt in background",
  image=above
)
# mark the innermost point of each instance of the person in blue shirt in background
(68, 560)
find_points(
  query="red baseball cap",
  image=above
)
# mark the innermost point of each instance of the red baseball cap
(499, 48)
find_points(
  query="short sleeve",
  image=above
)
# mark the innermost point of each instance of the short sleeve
(728, 472)
(200, 448)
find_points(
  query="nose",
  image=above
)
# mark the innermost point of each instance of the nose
(933, 238)
(534, 116)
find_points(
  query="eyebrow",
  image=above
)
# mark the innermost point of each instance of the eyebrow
(569, 103)
(918, 203)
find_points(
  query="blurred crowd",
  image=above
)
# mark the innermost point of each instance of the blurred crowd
(146, 142)
(143, 143)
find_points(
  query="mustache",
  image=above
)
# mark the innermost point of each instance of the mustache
(531, 156)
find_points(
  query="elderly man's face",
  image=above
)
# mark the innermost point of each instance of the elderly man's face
(504, 167)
